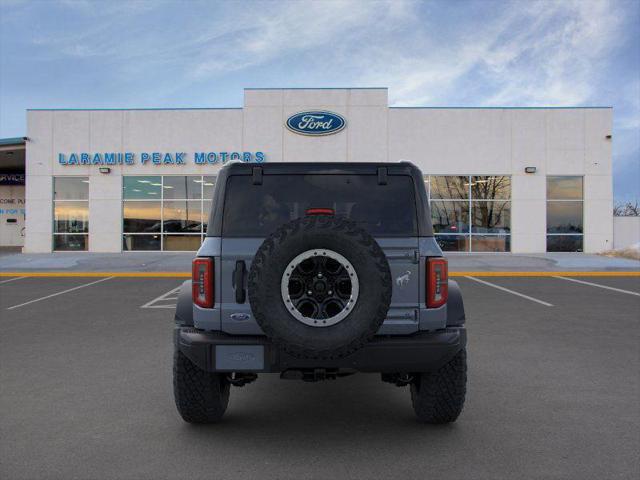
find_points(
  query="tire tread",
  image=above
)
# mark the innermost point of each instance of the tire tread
(201, 397)
(438, 397)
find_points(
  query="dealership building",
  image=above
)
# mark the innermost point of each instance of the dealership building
(522, 180)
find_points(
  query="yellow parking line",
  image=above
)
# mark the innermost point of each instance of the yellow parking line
(546, 274)
(98, 274)
(451, 274)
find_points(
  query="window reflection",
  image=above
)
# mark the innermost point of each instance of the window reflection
(208, 183)
(141, 217)
(182, 216)
(564, 188)
(564, 213)
(167, 212)
(449, 187)
(564, 243)
(69, 242)
(479, 219)
(71, 217)
(140, 242)
(181, 243)
(491, 217)
(491, 243)
(564, 217)
(494, 187)
(183, 187)
(70, 213)
(71, 188)
(453, 243)
(205, 215)
(450, 217)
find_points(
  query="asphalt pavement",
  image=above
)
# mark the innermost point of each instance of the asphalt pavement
(553, 392)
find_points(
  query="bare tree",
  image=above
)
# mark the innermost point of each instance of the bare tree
(628, 209)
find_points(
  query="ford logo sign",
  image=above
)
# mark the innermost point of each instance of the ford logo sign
(316, 123)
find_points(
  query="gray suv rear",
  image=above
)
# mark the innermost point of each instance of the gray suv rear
(317, 271)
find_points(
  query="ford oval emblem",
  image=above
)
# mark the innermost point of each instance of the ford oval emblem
(317, 122)
(240, 316)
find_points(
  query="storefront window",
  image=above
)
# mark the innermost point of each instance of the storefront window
(564, 217)
(206, 205)
(450, 217)
(449, 187)
(471, 213)
(564, 214)
(182, 216)
(491, 243)
(71, 188)
(564, 188)
(454, 243)
(141, 242)
(564, 243)
(181, 242)
(493, 187)
(70, 213)
(165, 212)
(491, 217)
(141, 217)
(143, 188)
(182, 187)
(208, 182)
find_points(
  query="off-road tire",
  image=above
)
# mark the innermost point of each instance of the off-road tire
(438, 397)
(201, 397)
(317, 232)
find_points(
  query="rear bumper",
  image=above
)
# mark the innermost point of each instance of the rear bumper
(219, 352)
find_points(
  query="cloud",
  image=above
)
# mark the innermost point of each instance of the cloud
(537, 53)
(288, 28)
(529, 53)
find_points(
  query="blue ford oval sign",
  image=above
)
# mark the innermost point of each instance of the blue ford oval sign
(316, 123)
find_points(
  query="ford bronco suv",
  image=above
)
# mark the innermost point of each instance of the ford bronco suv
(317, 271)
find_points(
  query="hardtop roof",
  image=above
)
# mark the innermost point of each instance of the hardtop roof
(293, 168)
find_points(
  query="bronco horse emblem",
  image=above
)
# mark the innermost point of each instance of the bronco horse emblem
(403, 280)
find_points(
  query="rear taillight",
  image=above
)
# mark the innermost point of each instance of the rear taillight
(437, 282)
(202, 282)
(320, 211)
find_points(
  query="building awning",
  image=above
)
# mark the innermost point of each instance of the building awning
(14, 141)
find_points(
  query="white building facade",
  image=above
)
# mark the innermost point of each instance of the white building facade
(520, 180)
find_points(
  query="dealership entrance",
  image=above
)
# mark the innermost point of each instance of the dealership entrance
(12, 194)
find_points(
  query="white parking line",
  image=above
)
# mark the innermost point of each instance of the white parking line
(168, 296)
(59, 293)
(629, 292)
(12, 279)
(546, 304)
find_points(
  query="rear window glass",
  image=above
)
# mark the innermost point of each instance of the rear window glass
(257, 210)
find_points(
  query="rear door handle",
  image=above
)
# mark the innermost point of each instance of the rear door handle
(238, 281)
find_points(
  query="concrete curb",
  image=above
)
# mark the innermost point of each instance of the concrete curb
(451, 274)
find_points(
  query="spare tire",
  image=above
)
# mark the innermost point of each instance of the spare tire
(320, 287)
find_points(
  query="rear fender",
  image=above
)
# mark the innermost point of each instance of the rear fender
(184, 309)
(455, 306)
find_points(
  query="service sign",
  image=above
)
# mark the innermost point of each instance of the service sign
(11, 178)
(316, 123)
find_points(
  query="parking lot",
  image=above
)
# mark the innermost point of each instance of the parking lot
(553, 392)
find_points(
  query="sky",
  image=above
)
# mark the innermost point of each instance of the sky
(136, 54)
